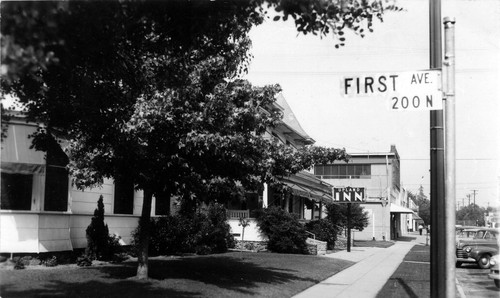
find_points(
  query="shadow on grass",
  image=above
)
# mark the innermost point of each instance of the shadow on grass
(407, 288)
(226, 272)
(129, 288)
(175, 277)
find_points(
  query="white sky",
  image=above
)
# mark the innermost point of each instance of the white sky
(309, 69)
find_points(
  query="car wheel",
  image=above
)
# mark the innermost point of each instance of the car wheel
(458, 264)
(484, 261)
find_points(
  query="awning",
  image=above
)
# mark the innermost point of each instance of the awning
(17, 157)
(400, 209)
(306, 185)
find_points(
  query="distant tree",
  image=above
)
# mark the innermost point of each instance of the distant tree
(148, 91)
(337, 214)
(423, 204)
(473, 213)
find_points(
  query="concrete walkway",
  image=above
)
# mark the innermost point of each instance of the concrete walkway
(367, 277)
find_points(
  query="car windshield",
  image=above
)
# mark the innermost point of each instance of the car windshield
(485, 235)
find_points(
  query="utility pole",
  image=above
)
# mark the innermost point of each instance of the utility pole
(474, 192)
(468, 196)
(450, 145)
(438, 250)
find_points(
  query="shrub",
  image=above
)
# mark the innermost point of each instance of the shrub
(324, 230)
(215, 231)
(189, 233)
(83, 261)
(201, 233)
(19, 264)
(285, 233)
(52, 262)
(100, 245)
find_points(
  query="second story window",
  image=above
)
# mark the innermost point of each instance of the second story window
(343, 171)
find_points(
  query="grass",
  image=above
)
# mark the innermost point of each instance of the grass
(372, 243)
(224, 275)
(412, 278)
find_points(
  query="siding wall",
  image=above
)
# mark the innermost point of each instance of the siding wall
(252, 232)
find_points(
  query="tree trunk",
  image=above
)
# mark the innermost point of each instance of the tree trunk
(142, 257)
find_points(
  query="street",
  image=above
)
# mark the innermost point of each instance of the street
(475, 282)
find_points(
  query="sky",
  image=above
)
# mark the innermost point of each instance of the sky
(310, 69)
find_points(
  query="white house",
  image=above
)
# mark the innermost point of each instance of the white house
(306, 195)
(40, 210)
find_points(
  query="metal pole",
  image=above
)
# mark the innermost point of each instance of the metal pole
(449, 65)
(348, 227)
(438, 251)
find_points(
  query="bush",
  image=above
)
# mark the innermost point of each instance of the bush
(285, 233)
(215, 231)
(324, 230)
(189, 233)
(83, 261)
(100, 245)
(52, 262)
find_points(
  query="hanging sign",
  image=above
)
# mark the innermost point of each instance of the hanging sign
(348, 194)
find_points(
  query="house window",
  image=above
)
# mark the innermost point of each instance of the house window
(124, 196)
(16, 191)
(354, 171)
(162, 203)
(56, 189)
(56, 180)
(30, 176)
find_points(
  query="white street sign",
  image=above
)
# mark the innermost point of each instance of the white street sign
(412, 90)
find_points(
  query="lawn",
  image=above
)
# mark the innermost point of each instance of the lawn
(231, 274)
(372, 243)
(412, 278)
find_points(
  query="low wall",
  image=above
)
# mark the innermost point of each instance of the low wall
(252, 232)
(316, 247)
(38, 232)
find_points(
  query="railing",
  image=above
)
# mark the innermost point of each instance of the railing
(314, 236)
(235, 214)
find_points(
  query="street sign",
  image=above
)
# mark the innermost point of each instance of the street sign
(411, 90)
(349, 194)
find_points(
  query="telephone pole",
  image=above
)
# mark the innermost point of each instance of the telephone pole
(474, 193)
(438, 249)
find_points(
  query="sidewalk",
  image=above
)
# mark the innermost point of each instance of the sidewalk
(364, 279)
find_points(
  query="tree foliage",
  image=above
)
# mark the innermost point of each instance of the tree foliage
(150, 90)
(423, 204)
(337, 214)
(472, 213)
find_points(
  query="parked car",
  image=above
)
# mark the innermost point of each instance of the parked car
(494, 270)
(482, 255)
(478, 249)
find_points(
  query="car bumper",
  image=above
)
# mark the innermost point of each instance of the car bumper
(494, 274)
(466, 260)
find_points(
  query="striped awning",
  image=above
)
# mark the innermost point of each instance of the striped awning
(16, 155)
(306, 185)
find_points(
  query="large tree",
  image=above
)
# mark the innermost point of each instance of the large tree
(149, 92)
